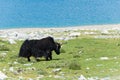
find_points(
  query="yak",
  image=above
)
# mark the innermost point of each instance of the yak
(39, 48)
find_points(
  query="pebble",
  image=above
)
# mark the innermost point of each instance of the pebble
(56, 70)
(11, 69)
(11, 41)
(40, 76)
(104, 58)
(57, 76)
(28, 64)
(81, 77)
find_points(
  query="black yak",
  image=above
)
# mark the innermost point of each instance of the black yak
(39, 48)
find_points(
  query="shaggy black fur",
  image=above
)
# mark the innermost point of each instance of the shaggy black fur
(39, 48)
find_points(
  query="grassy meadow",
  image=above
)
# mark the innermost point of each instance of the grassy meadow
(81, 56)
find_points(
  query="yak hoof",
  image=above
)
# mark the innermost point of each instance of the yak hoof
(29, 59)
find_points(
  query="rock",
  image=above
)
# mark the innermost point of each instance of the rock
(104, 58)
(59, 38)
(62, 73)
(39, 77)
(4, 70)
(99, 65)
(20, 78)
(104, 32)
(88, 59)
(31, 68)
(3, 55)
(56, 70)
(114, 57)
(15, 73)
(82, 78)
(19, 70)
(22, 36)
(57, 76)
(2, 76)
(28, 64)
(30, 79)
(12, 34)
(11, 41)
(90, 33)
(74, 34)
(106, 78)
(94, 78)
(11, 69)
(15, 62)
(87, 68)
(50, 76)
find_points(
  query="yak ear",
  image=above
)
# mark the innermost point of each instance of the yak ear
(61, 43)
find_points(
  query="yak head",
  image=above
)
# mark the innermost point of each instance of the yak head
(57, 48)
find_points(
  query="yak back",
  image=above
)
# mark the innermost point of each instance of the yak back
(47, 43)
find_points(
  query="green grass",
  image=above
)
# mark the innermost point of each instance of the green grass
(79, 56)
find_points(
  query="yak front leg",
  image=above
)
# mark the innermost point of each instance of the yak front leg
(37, 59)
(50, 55)
(46, 58)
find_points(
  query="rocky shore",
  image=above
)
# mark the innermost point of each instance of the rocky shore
(96, 31)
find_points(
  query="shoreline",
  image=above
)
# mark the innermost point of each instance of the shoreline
(89, 27)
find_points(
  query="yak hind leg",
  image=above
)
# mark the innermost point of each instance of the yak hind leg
(28, 59)
(46, 58)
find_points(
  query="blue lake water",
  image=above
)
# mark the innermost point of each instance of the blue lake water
(58, 13)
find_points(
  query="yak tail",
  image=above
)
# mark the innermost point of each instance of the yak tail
(23, 49)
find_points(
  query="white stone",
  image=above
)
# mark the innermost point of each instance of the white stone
(93, 78)
(57, 70)
(11, 41)
(12, 34)
(4, 69)
(106, 78)
(20, 78)
(105, 32)
(3, 54)
(30, 79)
(82, 78)
(11, 69)
(22, 36)
(104, 58)
(2, 76)
(15, 62)
(89, 33)
(28, 64)
(74, 34)
(114, 57)
(87, 68)
(39, 77)
(57, 76)
(88, 59)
